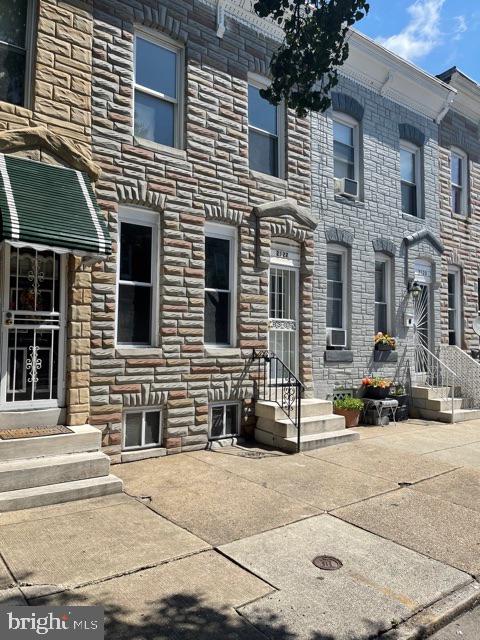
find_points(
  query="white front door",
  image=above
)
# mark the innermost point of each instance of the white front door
(283, 306)
(33, 318)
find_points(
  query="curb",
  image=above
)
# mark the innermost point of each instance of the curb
(437, 615)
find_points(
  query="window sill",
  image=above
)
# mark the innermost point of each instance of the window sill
(142, 454)
(385, 356)
(163, 149)
(411, 218)
(359, 204)
(128, 352)
(266, 177)
(462, 217)
(9, 107)
(343, 355)
(223, 352)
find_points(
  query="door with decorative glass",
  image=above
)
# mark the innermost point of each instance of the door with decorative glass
(33, 321)
(283, 307)
(422, 316)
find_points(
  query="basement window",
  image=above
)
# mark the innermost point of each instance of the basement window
(224, 420)
(142, 428)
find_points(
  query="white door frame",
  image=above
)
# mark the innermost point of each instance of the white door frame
(59, 401)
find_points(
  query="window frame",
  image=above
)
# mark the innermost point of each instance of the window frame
(225, 232)
(143, 411)
(343, 118)
(405, 145)
(457, 274)
(144, 218)
(343, 252)
(459, 153)
(262, 83)
(160, 40)
(29, 51)
(224, 404)
(388, 262)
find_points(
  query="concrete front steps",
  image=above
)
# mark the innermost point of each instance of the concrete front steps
(47, 470)
(319, 426)
(436, 404)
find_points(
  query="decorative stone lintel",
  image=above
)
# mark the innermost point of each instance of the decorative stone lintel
(339, 236)
(411, 134)
(141, 196)
(286, 207)
(428, 236)
(346, 104)
(223, 213)
(382, 245)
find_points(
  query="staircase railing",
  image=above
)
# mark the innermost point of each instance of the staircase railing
(468, 372)
(433, 373)
(275, 382)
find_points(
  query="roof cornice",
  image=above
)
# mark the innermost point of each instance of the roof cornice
(467, 102)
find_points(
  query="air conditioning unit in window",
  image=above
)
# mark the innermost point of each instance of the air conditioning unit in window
(336, 338)
(346, 187)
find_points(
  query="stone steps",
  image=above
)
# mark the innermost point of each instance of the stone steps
(311, 407)
(84, 438)
(307, 442)
(436, 404)
(309, 425)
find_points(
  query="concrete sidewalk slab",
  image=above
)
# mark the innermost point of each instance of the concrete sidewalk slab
(214, 504)
(417, 443)
(362, 598)
(6, 579)
(461, 487)
(12, 598)
(462, 456)
(382, 461)
(308, 479)
(467, 627)
(189, 599)
(80, 547)
(406, 427)
(438, 528)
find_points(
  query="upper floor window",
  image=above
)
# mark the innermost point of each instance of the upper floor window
(137, 278)
(459, 180)
(383, 303)
(16, 34)
(265, 153)
(158, 90)
(219, 328)
(410, 178)
(345, 147)
(336, 297)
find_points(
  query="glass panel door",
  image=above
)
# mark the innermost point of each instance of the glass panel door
(32, 332)
(283, 334)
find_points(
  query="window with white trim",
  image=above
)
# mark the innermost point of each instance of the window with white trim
(16, 46)
(137, 277)
(220, 255)
(410, 175)
(158, 90)
(346, 142)
(337, 288)
(454, 306)
(459, 181)
(142, 428)
(224, 420)
(383, 296)
(265, 132)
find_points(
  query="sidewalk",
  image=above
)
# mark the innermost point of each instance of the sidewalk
(220, 544)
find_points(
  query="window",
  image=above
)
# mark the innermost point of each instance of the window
(265, 153)
(454, 306)
(336, 288)
(219, 285)
(459, 180)
(137, 269)
(382, 294)
(224, 420)
(16, 34)
(158, 91)
(142, 428)
(410, 178)
(345, 147)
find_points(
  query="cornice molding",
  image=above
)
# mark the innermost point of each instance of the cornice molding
(424, 234)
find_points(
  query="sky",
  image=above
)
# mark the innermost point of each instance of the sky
(433, 34)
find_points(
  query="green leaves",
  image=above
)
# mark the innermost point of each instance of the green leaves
(304, 68)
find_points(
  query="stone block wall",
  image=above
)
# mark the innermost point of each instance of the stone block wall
(376, 222)
(208, 180)
(461, 234)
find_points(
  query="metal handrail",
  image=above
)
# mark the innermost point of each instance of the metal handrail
(284, 389)
(436, 374)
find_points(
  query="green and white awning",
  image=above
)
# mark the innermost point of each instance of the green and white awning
(47, 205)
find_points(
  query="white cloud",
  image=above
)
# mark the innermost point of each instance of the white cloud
(460, 27)
(422, 34)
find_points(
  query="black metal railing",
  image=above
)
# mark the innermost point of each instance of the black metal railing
(275, 382)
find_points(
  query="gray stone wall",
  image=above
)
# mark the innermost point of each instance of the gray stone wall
(208, 179)
(374, 222)
(461, 234)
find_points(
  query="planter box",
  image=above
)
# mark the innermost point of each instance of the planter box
(376, 393)
(385, 356)
(383, 347)
(352, 417)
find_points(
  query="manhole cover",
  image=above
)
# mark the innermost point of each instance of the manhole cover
(327, 563)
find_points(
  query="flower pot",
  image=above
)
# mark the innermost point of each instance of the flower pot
(352, 417)
(383, 347)
(376, 393)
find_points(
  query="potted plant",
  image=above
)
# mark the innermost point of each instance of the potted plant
(384, 342)
(350, 408)
(376, 388)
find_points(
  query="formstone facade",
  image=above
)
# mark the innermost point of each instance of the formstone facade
(207, 180)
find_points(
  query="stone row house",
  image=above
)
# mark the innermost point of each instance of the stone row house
(162, 224)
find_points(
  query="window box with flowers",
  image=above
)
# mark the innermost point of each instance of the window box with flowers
(376, 388)
(385, 348)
